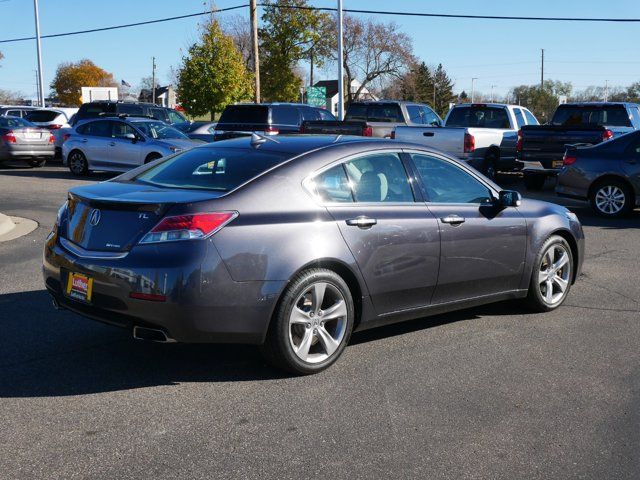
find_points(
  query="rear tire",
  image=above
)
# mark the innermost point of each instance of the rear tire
(534, 181)
(37, 162)
(78, 164)
(611, 198)
(312, 323)
(551, 276)
(490, 165)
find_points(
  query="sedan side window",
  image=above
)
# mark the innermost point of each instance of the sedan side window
(379, 177)
(447, 183)
(121, 130)
(333, 186)
(96, 129)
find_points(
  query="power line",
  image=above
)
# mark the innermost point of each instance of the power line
(330, 9)
(137, 24)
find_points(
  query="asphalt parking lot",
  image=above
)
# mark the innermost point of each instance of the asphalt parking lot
(490, 392)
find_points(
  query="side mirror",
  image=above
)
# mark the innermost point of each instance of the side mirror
(510, 198)
(130, 136)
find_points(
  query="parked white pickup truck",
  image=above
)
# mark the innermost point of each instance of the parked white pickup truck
(483, 135)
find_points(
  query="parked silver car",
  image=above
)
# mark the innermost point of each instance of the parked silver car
(120, 144)
(21, 140)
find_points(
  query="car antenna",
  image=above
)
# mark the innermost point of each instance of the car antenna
(257, 139)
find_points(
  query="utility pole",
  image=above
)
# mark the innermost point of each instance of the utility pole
(153, 80)
(254, 44)
(492, 87)
(542, 69)
(340, 65)
(606, 90)
(311, 71)
(39, 52)
(473, 89)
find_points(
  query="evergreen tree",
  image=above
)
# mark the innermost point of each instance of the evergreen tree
(443, 91)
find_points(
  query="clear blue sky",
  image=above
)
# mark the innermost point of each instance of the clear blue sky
(500, 53)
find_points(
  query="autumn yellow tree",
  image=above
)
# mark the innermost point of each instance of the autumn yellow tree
(70, 77)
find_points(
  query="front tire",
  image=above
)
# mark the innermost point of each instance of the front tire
(78, 164)
(312, 324)
(490, 165)
(552, 275)
(611, 198)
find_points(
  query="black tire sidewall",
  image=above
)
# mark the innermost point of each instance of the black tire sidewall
(628, 197)
(289, 359)
(534, 296)
(490, 161)
(85, 168)
(534, 181)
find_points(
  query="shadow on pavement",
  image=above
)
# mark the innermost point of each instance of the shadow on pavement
(21, 170)
(44, 352)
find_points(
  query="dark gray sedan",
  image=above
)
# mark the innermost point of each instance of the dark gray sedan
(22, 140)
(607, 175)
(294, 243)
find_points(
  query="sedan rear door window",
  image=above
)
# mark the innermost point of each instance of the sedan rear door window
(379, 177)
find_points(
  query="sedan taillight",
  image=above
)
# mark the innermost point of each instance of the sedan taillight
(367, 132)
(188, 227)
(9, 137)
(52, 139)
(607, 135)
(54, 127)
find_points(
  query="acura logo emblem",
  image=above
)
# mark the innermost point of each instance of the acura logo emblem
(94, 217)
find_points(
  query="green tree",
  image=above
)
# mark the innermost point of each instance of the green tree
(288, 35)
(541, 101)
(71, 77)
(212, 74)
(444, 91)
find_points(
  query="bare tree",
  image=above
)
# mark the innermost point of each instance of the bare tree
(238, 28)
(374, 53)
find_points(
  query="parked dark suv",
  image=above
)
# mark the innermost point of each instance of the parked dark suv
(100, 108)
(267, 118)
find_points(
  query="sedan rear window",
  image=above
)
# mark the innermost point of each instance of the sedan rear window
(14, 122)
(211, 168)
(42, 116)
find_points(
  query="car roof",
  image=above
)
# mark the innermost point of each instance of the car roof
(298, 144)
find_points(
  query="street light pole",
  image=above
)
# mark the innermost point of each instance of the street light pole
(473, 89)
(340, 64)
(153, 80)
(38, 48)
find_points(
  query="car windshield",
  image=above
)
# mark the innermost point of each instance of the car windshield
(42, 116)
(211, 168)
(598, 115)
(14, 122)
(159, 130)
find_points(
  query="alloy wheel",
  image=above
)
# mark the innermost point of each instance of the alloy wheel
(317, 323)
(554, 274)
(610, 199)
(76, 163)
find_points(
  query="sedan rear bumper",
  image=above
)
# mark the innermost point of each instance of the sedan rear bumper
(201, 303)
(15, 151)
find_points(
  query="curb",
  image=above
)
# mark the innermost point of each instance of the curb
(6, 224)
(16, 227)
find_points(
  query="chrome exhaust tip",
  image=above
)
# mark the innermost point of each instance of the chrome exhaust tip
(55, 304)
(151, 335)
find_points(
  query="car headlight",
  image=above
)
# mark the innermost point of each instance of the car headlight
(571, 216)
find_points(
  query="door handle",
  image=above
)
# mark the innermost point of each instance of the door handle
(361, 222)
(453, 219)
(84, 140)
